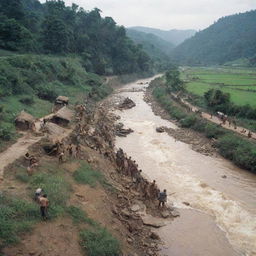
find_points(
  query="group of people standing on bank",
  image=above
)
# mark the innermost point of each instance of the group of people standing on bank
(129, 167)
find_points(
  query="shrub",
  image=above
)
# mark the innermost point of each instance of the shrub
(16, 216)
(79, 216)
(188, 121)
(99, 242)
(23, 177)
(238, 150)
(86, 175)
(27, 100)
(199, 125)
(6, 131)
(47, 91)
(213, 131)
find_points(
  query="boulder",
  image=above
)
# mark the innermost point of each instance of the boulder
(152, 221)
(135, 208)
(186, 203)
(127, 104)
(160, 129)
(125, 213)
(154, 236)
(165, 214)
(175, 213)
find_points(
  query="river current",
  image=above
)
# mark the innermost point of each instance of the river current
(221, 218)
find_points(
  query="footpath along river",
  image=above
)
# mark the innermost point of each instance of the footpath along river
(221, 218)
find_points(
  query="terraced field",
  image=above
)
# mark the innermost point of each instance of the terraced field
(240, 83)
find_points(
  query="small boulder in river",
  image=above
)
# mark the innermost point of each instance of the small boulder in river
(152, 221)
(160, 129)
(127, 104)
(175, 213)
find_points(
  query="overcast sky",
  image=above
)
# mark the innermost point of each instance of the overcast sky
(166, 14)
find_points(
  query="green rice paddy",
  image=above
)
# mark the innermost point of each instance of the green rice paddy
(239, 83)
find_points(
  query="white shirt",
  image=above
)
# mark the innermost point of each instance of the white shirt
(38, 191)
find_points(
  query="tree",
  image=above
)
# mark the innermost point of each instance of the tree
(54, 35)
(14, 36)
(12, 9)
(216, 97)
(173, 81)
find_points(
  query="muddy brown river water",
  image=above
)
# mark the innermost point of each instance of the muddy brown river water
(221, 218)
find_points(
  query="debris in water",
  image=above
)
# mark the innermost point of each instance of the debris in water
(160, 129)
(127, 104)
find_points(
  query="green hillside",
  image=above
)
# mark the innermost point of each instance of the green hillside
(158, 49)
(53, 28)
(32, 82)
(230, 38)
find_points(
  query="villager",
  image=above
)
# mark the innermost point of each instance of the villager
(61, 157)
(234, 122)
(130, 166)
(125, 165)
(134, 169)
(29, 171)
(146, 189)
(78, 151)
(38, 194)
(243, 131)
(153, 190)
(33, 161)
(162, 198)
(138, 178)
(249, 134)
(70, 150)
(44, 204)
(229, 122)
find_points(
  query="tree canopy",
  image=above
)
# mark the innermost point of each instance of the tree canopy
(54, 28)
(230, 38)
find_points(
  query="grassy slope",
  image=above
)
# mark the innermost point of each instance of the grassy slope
(20, 215)
(26, 76)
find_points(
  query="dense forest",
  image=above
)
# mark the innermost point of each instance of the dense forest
(173, 36)
(230, 38)
(158, 49)
(27, 26)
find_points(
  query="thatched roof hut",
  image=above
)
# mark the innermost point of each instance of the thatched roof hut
(24, 121)
(63, 117)
(62, 100)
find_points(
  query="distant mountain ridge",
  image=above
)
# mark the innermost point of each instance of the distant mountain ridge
(173, 36)
(158, 49)
(149, 40)
(230, 38)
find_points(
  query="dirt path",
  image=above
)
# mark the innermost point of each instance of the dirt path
(20, 148)
(216, 120)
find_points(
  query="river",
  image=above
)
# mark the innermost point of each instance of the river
(221, 218)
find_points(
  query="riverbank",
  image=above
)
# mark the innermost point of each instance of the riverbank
(227, 204)
(198, 142)
(232, 146)
(86, 194)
